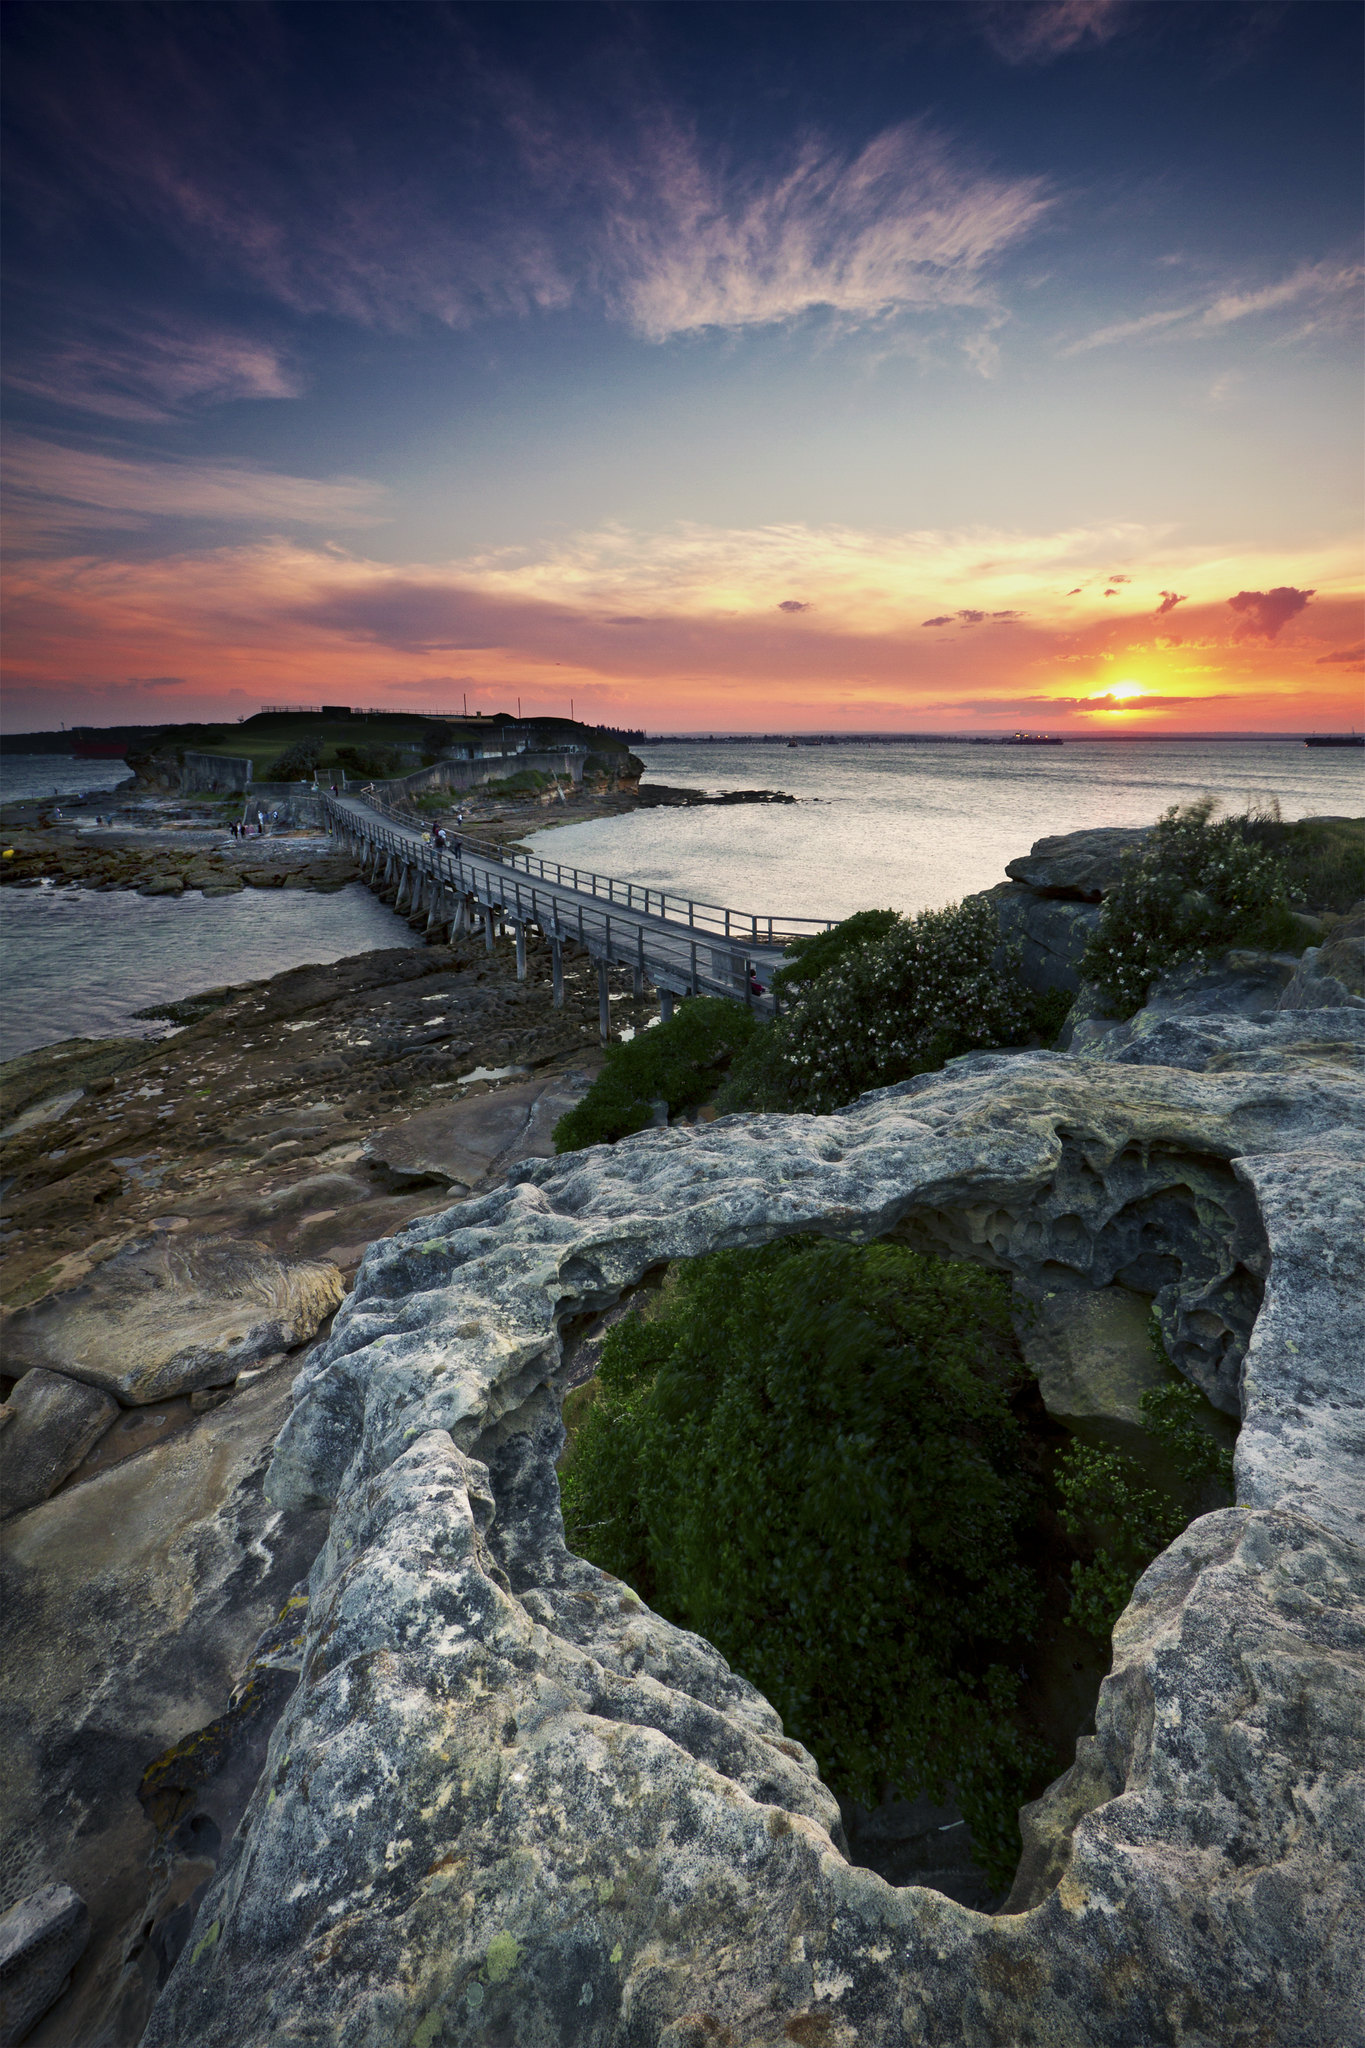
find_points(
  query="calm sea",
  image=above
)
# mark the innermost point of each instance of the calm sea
(913, 827)
(29, 775)
(78, 962)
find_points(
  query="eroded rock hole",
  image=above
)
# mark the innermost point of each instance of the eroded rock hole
(905, 1496)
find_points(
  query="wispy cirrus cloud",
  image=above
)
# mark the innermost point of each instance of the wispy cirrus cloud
(1328, 287)
(152, 374)
(55, 490)
(905, 224)
(1036, 31)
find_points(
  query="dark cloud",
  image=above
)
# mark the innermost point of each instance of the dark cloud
(1008, 617)
(1350, 656)
(970, 618)
(793, 604)
(1118, 579)
(1111, 593)
(1077, 591)
(945, 619)
(1266, 611)
(1169, 600)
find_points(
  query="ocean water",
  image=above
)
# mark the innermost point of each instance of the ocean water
(78, 962)
(915, 827)
(30, 775)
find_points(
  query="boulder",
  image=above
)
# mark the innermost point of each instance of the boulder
(49, 1423)
(162, 885)
(508, 1802)
(172, 1313)
(1331, 975)
(41, 1941)
(1051, 933)
(1079, 865)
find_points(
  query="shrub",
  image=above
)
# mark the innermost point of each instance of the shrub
(298, 762)
(897, 1006)
(813, 956)
(1124, 1523)
(1323, 858)
(807, 1455)
(1194, 889)
(370, 760)
(679, 1063)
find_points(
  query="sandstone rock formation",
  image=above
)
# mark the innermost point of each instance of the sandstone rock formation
(508, 1803)
(131, 1604)
(173, 1313)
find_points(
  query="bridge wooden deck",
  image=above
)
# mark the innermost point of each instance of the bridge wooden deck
(679, 944)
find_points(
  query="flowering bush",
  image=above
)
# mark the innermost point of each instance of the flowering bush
(901, 1005)
(1193, 890)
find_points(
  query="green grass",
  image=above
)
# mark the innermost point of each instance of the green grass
(680, 1063)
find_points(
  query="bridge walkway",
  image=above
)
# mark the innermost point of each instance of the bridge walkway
(681, 945)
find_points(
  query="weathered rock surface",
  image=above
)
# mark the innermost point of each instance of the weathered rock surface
(174, 1313)
(47, 1425)
(41, 1940)
(1051, 934)
(131, 1605)
(1081, 865)
(1092, 1354)
(508, 1803)
(1332, 974)
(477, 1139)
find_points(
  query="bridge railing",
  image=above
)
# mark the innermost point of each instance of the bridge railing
(675, 957)
(744, 927)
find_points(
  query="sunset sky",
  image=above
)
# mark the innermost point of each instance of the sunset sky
(716, 367)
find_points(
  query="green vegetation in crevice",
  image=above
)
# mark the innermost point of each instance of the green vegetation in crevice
(680, 1063)
(807, 1454)
(1117, 1519)
(1194, 888)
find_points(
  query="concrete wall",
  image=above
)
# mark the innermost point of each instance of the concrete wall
(294, 801)
(208, 772)
(566, 764)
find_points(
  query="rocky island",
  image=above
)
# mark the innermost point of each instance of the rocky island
(320, 1731)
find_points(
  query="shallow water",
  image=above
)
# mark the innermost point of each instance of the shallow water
(37, 775)
(912, 827)
(78, 962)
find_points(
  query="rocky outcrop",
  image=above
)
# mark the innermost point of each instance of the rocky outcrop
(1078, 866)
(132, 1602)
(47, 1426)
(173, 1313)
(41, 1938)
(507, 1802)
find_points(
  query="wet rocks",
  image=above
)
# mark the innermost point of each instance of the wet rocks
(41, 1939)
(173, 1313)
(47, 1426)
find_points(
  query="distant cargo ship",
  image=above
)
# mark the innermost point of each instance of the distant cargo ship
(1033, 739)
(1335, 739)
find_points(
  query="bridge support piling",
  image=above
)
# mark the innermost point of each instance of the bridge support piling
(557, 969)
(521, 950)
(665, 1005)
(488, 927)
(603, 1003)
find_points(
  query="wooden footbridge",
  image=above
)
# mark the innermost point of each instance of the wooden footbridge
(681, 946)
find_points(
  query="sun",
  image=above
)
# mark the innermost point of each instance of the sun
(1125, 690)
